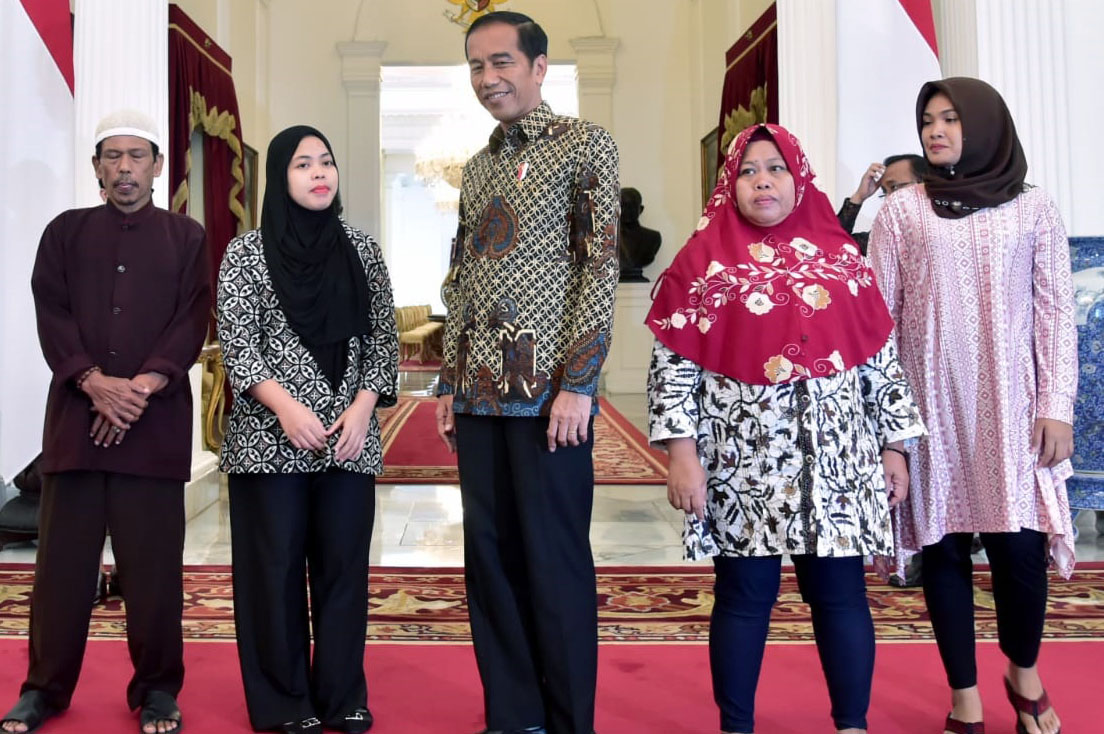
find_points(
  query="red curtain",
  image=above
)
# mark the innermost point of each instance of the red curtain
(750, 92)
(201, 97)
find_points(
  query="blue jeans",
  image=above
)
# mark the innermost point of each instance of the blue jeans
(746, 589)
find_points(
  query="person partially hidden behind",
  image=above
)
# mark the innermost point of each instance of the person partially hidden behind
(122, 297)
(894, 173)
(639, 245)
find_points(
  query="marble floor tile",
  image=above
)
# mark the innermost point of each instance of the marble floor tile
(432, 556)
(615, 534)
(423, 534)
(642, 556)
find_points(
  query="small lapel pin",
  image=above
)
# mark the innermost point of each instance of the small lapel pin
(522, 170)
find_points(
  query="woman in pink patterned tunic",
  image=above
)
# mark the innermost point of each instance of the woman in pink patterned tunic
(974, 266)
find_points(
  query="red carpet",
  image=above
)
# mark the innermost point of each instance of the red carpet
(642, 689)
(413, 454)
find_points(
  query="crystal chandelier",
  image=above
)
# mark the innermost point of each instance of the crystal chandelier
(439, 162)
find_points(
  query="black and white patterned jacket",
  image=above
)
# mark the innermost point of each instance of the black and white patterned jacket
(258, 344)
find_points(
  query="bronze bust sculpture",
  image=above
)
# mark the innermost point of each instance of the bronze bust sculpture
(639, 245)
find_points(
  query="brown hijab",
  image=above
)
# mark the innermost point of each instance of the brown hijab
(992, 169)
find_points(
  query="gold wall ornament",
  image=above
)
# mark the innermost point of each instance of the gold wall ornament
(213, 396)
(471, 9)
(742, 117)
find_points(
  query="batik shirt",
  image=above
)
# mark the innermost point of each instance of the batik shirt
(534, 267)
(791, 468)
(259, 344)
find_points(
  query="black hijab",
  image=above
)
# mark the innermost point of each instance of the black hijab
(993, 167)
(315, 269)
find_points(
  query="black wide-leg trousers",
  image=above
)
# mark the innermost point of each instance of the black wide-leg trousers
(146, 519)
(281, 525)
(530, 572)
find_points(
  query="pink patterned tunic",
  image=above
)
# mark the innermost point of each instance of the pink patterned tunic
(985, 330)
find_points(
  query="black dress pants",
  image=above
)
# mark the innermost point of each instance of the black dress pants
(1019, 565)
(281, 524)
(146, 520)
(529, 572)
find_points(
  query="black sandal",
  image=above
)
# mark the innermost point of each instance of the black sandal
(160, 706)
(31, 710)
(359, 721)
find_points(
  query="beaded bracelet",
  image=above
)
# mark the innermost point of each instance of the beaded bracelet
(85, 375)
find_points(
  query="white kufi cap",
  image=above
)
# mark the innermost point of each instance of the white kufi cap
(128, 122)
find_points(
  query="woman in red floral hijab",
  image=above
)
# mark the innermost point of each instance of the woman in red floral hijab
(776, 390)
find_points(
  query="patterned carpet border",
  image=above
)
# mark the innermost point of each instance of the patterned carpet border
(621, 452)
(636, 605)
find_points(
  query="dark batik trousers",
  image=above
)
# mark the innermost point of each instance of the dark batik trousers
(146, 520)
(530, 572)
(281, 525)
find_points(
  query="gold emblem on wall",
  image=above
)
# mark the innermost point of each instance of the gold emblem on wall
(742, 117)
(471, 9)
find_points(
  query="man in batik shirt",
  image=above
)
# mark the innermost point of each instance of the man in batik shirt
(530, 297)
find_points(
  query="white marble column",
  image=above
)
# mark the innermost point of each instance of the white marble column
(807, 82)
(362, 177)
(120, 60)
(1021, 52)
(626, 367)
(1019, 47)
(957, 33)
(596, 73)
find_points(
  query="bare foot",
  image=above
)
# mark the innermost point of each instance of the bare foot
(161, 726)
(1027, 683)
(966, 705)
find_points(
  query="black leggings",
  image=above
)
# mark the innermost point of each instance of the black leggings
(835, 590)
(1018, 563)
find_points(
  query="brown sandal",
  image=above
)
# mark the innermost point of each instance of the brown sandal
(1033, 708)
(955, 726)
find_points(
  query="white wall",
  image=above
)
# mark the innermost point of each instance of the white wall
(1085, 80)
(670, 67)
(661, 106)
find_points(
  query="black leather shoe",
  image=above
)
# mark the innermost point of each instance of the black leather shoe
(358, 722)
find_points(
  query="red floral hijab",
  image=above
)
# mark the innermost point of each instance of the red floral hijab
(767, 305)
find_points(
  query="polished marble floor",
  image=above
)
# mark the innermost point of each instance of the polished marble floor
(420, 525)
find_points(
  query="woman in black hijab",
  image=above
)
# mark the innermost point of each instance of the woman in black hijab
(975, 267)
(307, 326)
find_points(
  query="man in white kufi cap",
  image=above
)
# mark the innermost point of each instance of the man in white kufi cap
(122, 297)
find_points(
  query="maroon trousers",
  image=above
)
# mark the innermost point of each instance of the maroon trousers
(146, 520)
